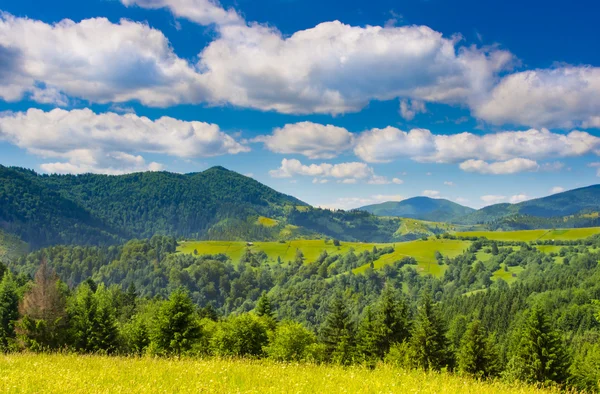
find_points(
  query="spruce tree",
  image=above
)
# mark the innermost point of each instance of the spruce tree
(369, 337)
(540, 356)
(9, 311)
(338, 332)
(263, 306)
(394, 315)
(175, 326)
(428, 343)
(477, 354)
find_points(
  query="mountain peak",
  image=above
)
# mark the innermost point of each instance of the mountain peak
(420, 207)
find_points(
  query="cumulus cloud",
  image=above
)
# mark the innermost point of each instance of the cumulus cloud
(449, 183)
(347, 203)
(203, 12)
(91, 142)
(397, 181)
(431, 193)
(493, 199)
(344, 172)
(512, 166)
(410, 108)
(312, 140)
(95, 60)
(518, 198)
(385, 145)
(561, 97)
(557, 189)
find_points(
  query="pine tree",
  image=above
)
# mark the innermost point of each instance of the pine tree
(394, 314)
(175, 326)
(9, 311)
(477, 354)
(428, 342)
(263, 306)
(369, 337)
(540, 355)
(337, 331)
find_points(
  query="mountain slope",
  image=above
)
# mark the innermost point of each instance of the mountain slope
(422, 208)
(573, 208)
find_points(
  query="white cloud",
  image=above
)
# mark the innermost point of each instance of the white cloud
(512, 166)
(431, 193)
(449, 183)
(518, 198)
(91, 142)
(203, 12)
(344, 172)
(493, 199)
(347, 203)
(557, 189)
(322, 180)
(397, 181)
(410, 108)
(94, 60)
(561, 97)
(385, 145)
(312, 140)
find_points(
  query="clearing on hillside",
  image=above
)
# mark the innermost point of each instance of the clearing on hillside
(534, 235)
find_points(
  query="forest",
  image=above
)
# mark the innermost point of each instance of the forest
(143, 298)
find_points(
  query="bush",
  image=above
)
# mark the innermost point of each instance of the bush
(243, 335)
(290, 341)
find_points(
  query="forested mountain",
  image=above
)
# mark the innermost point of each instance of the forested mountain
(423, 208)
(573, 208)
(95, 209)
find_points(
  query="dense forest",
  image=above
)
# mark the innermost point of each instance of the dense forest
(143, 297)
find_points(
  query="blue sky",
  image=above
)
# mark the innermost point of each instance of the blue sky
(340, 104)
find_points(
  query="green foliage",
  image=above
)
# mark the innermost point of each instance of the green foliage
(9, 311)
(175, 328)
(477, 355)
(337, 332)
(243, 335)
(540, 355)
(428, 343)
(291, 341)
(422, 208)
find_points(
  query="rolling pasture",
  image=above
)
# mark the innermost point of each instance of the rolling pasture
(534, 235)
(56, 373)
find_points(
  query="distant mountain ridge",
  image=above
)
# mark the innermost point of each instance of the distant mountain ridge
(422, 208)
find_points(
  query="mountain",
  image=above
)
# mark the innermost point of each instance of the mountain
(216, 204)
(573, 208)
(422, 208)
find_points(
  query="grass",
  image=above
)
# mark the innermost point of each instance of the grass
(29, 373)
(267, 222)
(286, 251)
(510, 276)
(533, 235)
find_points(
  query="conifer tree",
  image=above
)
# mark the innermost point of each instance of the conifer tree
(477, 354)
(9, 311)
(337, 331)
(175, 326)
(394, 315)
(540, 356)
(428, 343)
(369, 337)
(263, 306)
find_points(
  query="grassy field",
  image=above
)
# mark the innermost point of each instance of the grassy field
(422, 251)
(510, 276)
(533, 235)
(28, 373)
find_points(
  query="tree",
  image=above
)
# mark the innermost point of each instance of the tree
(290, 342)
(93, 322)
(263, 306)
(44, 317)
(336, 242)
(394, 312)
(477, 355)
(369, 337)
(495, 250)
(540, 356)
(428, 342)
(338, 332)
(175, 326)
(243, 335)
(9, 311)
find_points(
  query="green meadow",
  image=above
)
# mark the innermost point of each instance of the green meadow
(534, 235)
(74, 374)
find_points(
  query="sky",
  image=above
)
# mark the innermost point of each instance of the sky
(339, 103)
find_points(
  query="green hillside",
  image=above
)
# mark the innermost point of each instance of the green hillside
(424, 208)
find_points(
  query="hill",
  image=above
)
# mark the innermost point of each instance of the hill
(423, 208)
(573, 208)
(216, 204)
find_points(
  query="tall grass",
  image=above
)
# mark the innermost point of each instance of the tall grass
(54, 373)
